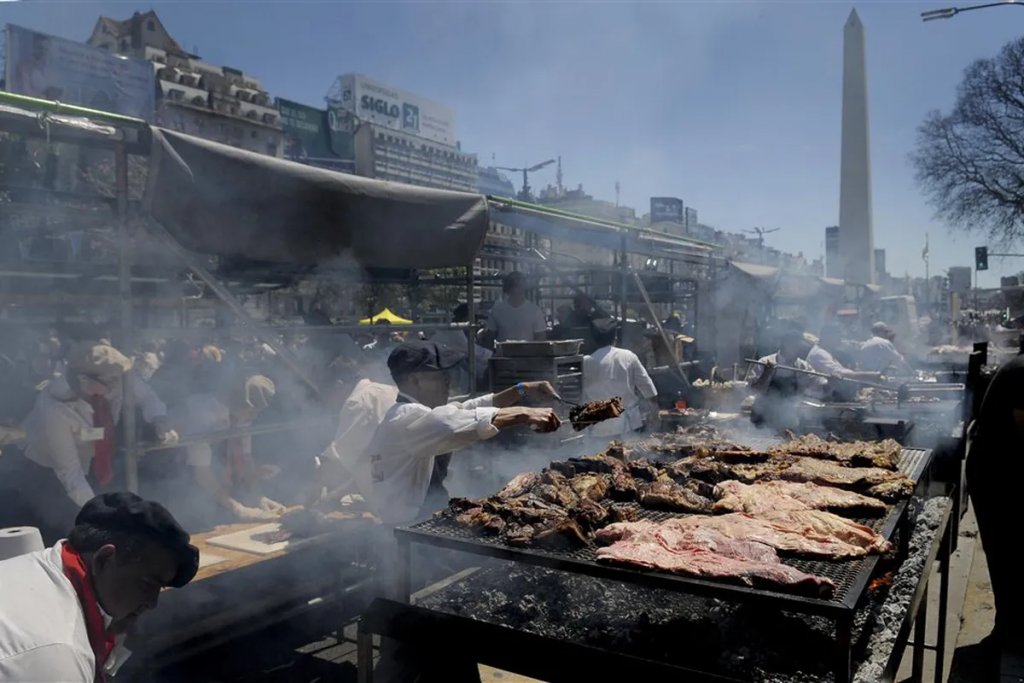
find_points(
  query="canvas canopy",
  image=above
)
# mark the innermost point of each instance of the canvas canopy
(222, 201)
(388, 316)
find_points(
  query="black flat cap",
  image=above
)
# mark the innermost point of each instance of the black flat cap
(422, 356)
(604, 325)
(128, 513)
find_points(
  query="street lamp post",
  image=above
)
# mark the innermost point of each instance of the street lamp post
(525, 193)
(950, 12)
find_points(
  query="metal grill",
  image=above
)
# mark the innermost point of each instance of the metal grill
(849, 576)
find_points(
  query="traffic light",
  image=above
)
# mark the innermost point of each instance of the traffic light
(981, 258)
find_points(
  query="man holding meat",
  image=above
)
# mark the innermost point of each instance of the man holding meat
(408, 457)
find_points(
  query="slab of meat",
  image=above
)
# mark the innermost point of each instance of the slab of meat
(520, 484)
(766, 496)
(874, 481)
(811, 533)
(884, 454)
(704, 553)
(593, 412)
(666, 494)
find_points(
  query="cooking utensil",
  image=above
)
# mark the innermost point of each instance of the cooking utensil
(812, 373)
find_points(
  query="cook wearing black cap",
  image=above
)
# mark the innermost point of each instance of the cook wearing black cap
(611, 371)
(408, 456)
(63, 610)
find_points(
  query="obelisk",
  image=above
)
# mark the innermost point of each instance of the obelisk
(856, 238)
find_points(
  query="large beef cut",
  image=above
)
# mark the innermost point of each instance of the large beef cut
(811, 533)
(766, 496)
(593, 412)
(871, 481)
(704, 553)
(884, 454)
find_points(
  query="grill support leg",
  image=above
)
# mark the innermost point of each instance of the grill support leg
(944, 561)
(403, 580)
(844, 640)
(920, 631)
(364, 656)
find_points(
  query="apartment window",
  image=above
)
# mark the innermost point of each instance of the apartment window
(255, 135)
(150, 25)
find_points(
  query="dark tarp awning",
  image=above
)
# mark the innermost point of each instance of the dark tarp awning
(215, 199)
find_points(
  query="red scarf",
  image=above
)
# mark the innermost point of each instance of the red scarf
(103, 450)
(239, 465)
(101, 640)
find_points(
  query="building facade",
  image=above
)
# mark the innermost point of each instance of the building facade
(401, 137)
(214, 102)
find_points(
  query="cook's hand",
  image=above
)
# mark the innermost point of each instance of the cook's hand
(542, 419)
(540, 391)
(245, 513)
(272, 506)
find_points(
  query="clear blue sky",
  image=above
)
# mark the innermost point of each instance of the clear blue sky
(733, 106)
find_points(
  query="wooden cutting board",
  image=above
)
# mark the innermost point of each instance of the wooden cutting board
(244, 541)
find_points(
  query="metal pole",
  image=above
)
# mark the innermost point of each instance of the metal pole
(471, 337)
(661, 330)
(124, 271)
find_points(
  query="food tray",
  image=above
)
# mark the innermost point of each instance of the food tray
(850, 576)
(539, 349)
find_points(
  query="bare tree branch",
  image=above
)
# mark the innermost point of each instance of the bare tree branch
(970, 162)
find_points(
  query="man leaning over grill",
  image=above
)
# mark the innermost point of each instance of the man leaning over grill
(409, 453)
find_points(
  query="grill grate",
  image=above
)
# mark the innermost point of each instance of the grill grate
(850, 576)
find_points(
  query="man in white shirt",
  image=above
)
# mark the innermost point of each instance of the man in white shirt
(408, 455)
(821, 359)
(339, 467)
(71, 436)
(777, 389)
(516, 318)
(611, 371)
(234, 406)
(879, 354)
(64, 610)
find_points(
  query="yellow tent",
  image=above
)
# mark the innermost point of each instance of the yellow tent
(385, 316)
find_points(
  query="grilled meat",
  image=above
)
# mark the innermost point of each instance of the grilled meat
(874, 481)
(666, 494)
(622, 486)
(592, 486)
(803, 532)
(641, 470)
(520, 484)
(706, 553)
(766, 496)
(884, 454)
(593, 412)
(617, 512)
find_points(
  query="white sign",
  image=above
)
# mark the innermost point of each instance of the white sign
(385, 106)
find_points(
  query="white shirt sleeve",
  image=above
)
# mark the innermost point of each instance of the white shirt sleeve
(640, 379)
(199, 455)
(821, 360)
(448, 428)
(59, 443)
(54, 662)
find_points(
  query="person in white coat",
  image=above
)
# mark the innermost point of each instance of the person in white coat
(611, 371)
(71, 435)
(408, 456)
(879, 354)
(64, 610)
